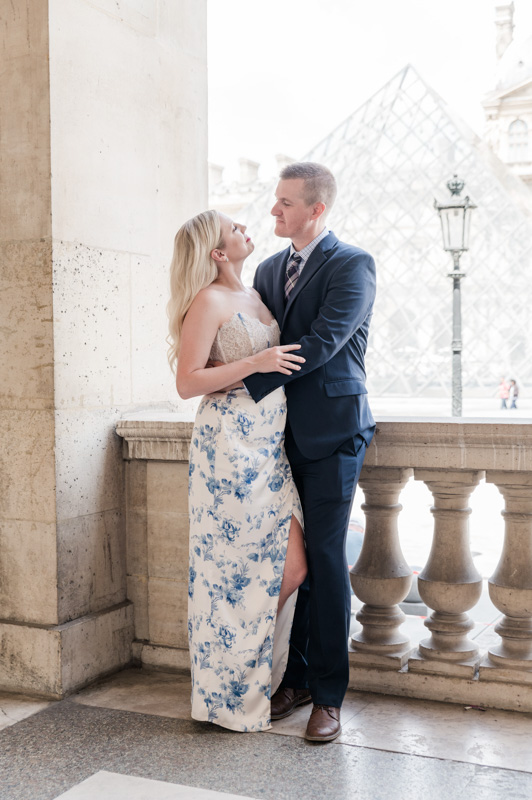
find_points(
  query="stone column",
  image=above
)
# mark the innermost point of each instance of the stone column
(510, 586)
(381, 578)
(28, 562)
(450, 583)
(102, 155)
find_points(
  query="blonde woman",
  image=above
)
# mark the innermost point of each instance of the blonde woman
(247, 555)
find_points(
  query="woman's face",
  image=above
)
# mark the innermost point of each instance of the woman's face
(237, 245)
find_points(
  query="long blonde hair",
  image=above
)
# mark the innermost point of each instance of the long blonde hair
(192, 269)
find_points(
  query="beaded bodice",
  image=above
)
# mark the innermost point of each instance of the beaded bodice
(242, 336)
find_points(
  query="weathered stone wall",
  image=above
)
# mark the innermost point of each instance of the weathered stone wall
(103, 154)
(156, 453)
(28, 563)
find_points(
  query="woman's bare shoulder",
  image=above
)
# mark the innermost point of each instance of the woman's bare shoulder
(209, 305)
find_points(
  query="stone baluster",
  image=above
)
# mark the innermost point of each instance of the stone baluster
(450, 583)
(510, 586)
(381, 578)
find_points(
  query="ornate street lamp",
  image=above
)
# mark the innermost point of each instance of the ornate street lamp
(455, 218)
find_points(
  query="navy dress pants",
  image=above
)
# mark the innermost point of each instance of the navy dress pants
(318, 643)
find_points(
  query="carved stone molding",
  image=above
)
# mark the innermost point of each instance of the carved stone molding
(452, 444)
(155, 440)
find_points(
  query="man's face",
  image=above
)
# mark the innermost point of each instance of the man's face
(293, 217)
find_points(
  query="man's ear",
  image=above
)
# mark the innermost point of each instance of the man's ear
(317, 210)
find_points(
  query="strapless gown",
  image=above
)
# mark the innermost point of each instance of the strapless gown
(241, 501)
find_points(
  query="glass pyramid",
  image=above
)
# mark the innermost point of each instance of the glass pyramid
(391, 158)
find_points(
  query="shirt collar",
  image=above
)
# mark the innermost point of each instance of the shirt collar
(307, 250)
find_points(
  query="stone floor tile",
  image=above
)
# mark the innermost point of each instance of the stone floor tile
(447, 731)
(157, 693)
(166, 695)
(113, 786)
(54, 751)
(15, 707)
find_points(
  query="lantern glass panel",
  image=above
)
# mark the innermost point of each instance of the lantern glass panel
(467, 226)
(452, 223)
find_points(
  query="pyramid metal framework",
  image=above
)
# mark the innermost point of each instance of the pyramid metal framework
(392, 157)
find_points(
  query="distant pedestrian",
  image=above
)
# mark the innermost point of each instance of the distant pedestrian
(504, 392)
(514, 393)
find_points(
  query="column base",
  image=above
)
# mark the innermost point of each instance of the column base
(54, 661)
(388, 660)
(166, 659)
(506, 671)
(460, 669)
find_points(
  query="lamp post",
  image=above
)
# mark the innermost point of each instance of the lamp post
(455, 218)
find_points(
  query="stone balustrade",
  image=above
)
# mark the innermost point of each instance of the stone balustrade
(450, 457)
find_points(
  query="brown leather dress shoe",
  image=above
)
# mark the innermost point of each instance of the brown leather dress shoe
(324, 724)
(285, 701)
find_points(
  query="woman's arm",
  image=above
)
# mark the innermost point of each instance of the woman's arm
(200, 326)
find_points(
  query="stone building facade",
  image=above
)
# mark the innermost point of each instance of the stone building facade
(508, 107)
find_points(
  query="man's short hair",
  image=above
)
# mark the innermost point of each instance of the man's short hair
(320, 183)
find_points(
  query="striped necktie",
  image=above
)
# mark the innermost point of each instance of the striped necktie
(292, 274)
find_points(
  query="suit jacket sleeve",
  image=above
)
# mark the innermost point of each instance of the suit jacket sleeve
(347, 302)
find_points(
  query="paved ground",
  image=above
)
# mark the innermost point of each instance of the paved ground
(130, 738)
(472, 407)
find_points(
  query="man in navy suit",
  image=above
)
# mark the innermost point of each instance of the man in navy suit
(321, 291)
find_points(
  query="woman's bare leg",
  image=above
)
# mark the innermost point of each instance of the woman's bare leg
(295, 567)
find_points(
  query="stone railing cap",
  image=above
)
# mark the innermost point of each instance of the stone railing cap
(439, 443)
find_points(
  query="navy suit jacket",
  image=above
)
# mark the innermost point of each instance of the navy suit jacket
(328, 314)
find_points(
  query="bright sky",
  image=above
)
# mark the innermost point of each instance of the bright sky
(284, 73)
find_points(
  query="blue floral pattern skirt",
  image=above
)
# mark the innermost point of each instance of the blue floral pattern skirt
(241, 501)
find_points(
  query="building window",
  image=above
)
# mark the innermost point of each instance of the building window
(518, 141)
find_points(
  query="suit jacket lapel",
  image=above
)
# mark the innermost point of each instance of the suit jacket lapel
(279, 272)
(317, 258)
